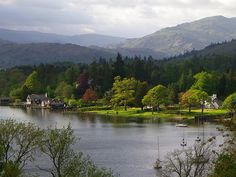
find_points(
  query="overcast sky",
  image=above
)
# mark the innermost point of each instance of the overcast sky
(126, 18)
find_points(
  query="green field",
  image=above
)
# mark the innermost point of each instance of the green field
(137, 113)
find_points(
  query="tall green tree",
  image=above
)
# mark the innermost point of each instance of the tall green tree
(155, 97)
(118, 66)
(141, 89)
(207, 82)
(18, 142)
(64, 90)
(32, 83)
(123, 91)
(230, 103)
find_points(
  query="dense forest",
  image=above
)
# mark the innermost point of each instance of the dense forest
(72, 80)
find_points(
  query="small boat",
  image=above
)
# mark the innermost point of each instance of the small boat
(181, 125)
(157, 164)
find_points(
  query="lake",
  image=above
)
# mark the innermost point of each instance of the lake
(127, 146)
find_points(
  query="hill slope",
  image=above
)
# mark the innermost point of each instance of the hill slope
(38, 37)
(187, 36)
(12, 54)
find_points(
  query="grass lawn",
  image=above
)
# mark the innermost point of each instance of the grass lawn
(137, 113)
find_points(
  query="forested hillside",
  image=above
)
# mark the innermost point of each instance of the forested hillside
(12, 54)
(176, 74)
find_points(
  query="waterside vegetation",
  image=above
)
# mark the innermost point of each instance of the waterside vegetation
(153, 86)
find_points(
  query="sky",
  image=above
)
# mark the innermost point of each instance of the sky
(125, 18)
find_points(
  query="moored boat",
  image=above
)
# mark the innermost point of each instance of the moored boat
(181, 125)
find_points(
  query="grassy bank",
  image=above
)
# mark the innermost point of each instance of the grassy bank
(137, 113)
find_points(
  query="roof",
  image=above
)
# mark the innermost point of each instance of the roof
(38, 97)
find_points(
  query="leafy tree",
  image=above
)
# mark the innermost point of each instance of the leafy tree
(206, 82)
(172, 93)
(185, 80)
(141, 89)
(225, 166)
(194, 97)
(155, 97)
(89, 96)
(11, 170)
(123, 91)
(230, 102)
(19, 142)
(32, 82)
(71, 74)
(50, 92)
(64, 90)
(16, 93)
(57, 147)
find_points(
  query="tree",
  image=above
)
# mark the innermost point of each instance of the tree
(194, 97)
(195, 161)
(123, 91)
(207, 82)
(141, 89)
(32, 82)
(155, 97)
(57, 147)
(172, 93)
(71, 74)
(118, 66)
(18, 142)
(89, 96)
(225, 166)
(230, 103)
(64, 90)
(16, 93)
(82, 84)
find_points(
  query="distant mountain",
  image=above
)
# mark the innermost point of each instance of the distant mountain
(187, 36)
(132, 52)
(38, 37)
(12, 54)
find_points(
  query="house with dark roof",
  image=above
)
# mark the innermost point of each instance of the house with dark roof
(38, 100)
(42, 101)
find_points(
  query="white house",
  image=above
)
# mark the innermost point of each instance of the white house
(213, 103)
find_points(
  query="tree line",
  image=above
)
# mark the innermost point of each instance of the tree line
(71, 81)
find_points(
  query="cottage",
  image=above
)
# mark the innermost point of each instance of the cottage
(214, 103)
(38, 100)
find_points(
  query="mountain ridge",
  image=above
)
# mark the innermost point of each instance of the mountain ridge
(39, 37)
(187, 36)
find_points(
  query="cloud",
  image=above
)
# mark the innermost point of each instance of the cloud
(131, 18)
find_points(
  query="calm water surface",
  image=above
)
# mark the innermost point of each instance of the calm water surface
(128, 147)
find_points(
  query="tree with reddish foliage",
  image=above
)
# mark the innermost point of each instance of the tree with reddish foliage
(82, 83)
(89, 96)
